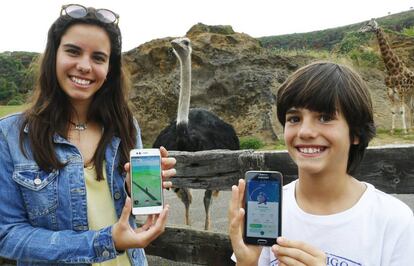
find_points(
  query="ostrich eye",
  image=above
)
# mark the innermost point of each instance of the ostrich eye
(186, 43)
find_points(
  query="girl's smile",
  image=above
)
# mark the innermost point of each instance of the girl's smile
(80, 81)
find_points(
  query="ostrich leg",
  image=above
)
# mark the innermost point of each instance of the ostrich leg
(207, 204)
(185, 195)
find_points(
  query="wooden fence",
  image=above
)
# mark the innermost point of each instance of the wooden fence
(388, 168)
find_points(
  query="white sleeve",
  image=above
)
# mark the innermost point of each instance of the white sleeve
(403, 250)
(264, 259)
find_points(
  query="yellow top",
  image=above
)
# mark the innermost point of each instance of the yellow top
(101, 210)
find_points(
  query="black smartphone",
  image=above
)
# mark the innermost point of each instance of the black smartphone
(263, 205)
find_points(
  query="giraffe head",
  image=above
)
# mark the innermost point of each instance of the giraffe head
(370, 26)
(182, 47)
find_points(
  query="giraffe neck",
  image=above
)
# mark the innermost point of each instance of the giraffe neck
(392, 63)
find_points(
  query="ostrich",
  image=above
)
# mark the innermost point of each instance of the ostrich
(194, 129)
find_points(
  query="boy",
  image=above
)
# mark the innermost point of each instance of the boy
(328, 217)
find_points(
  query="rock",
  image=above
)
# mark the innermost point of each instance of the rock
(232, 76)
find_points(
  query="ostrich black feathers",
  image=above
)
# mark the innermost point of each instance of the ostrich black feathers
(204, 131)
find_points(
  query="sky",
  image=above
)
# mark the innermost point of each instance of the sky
(24, 23)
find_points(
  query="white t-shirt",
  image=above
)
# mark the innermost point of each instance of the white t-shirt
(377, 231)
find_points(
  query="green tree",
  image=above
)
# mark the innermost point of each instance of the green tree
(17, 73)
(7, 89)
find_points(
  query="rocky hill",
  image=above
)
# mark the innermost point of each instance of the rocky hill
(233, 76)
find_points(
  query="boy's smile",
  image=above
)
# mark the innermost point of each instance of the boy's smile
(310, 149)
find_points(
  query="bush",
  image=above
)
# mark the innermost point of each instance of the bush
(17, 99)
(251, 143)
(409, 31)
(365, 58)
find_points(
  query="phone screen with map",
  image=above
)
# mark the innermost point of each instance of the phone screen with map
(146, 181)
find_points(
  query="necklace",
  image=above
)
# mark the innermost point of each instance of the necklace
(80, 126)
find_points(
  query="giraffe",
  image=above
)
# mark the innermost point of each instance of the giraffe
(399, 79)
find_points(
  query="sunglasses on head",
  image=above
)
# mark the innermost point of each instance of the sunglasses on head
(79, 11)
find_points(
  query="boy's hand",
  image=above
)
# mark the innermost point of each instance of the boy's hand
(245, 254)
(290, 252)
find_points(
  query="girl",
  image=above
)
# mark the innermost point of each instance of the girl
(328, 217)
(64, 161)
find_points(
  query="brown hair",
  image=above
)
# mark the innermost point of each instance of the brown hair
(51, 109)
(327, 88)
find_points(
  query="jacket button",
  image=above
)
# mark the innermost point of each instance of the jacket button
(105, 253)
(37, 181)
(117, 195)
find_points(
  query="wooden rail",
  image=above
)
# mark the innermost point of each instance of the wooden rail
(388, 168)
(192, 246)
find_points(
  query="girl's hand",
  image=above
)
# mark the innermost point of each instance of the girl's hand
(167, 166)
(291, 252)
(245, 254)
(124, 236)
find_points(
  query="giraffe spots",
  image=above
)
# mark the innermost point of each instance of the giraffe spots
(399, 81)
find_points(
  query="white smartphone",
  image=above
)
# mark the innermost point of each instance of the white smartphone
(146, 181)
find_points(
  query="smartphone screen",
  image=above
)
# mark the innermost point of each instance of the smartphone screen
(263, 201)
(146, 184)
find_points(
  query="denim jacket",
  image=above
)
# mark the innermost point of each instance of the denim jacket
(43, 215)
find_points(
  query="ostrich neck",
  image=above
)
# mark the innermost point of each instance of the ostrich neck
(185, 91)
(392, 62)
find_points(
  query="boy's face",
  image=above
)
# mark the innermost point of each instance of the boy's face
(317, 142)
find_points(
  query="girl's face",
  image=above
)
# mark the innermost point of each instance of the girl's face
(318, 143)
(82, 61)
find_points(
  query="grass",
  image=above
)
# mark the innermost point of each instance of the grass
(10, 109)
(385, 137)
(251, 143)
